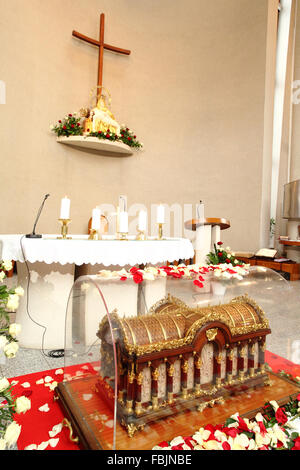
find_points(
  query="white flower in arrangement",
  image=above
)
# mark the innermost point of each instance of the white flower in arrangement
(4, 384)
(2, 444)
(12, 302)
(14, 329)
(152, 270)
(2, 276)
(12, 434)
(7, 265)
(51, 127)
(11, 349)
(3, 341)
(274, 405)
(19, 291)
(23, 404)
(148, 276)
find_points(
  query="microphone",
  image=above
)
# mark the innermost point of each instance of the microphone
(33, 234)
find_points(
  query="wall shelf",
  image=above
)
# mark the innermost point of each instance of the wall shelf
(93, 144)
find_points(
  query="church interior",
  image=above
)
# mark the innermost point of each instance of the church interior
(150, 231)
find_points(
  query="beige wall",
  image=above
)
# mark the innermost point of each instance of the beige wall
(295, 141)
(193, 90)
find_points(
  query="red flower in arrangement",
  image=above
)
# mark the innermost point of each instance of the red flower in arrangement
(242, 425)
(88, 130)
(296, 444)
(226, 446)
(179, 447)
(133, 270)
(72, 125)
(220, 243)
(129, 138)
(198, 283)
(107, 136)
(70, 115)
(59, 121)
(280, 416)
(123, 278)
(231, 432)
(65, 127)
(263, 448)
(190, 442)
(298, 397)
(78, 124)
(164, 444)
(228, 261)
(138, 277)
(262, 428)
(220, 254)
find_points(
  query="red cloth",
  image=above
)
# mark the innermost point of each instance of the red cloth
(278, 363)
(37, 424)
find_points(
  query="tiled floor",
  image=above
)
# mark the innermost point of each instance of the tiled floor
(280, 301)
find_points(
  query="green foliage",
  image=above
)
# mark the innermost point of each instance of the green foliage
(221, 256)
(70, 125)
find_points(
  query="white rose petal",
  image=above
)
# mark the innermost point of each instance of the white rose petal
(59, 371)
(31, 447)
(55, 430)
(7, 265)
(43, 445)
(25, 384)
(44, 408)
(53, 442)
(3, 341)
(2, 276)
(40, 381)
(48, 379)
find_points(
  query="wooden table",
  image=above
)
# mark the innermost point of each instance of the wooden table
(292, 268)
(213, 221)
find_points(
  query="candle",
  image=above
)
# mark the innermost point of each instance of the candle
(96, 219)
(142, 221)
(123, 222)
(160, 214)
(65, 208)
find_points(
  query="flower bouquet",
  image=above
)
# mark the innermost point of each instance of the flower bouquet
(9, 301)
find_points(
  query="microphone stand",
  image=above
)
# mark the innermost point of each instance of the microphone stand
(33, 234)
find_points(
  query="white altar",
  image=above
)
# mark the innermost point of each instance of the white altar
(52, 266)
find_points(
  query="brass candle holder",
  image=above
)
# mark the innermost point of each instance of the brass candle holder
(141, 235)
(122, 236)
(64, 229)
(160, 231)
(95, 235)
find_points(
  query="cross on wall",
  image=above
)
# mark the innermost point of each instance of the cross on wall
(101, 45)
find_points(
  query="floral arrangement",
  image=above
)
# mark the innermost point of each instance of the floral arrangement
(9, 302)
(194, 272)
(276, 428)
(222, 256)
(72, 125)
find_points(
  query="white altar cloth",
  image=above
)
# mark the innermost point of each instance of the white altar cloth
(107, 252)
(52, 263)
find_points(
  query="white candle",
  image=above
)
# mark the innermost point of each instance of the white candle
(65, 208)
(142, 221)
(160, 214)
(123, 224)
(96, 221)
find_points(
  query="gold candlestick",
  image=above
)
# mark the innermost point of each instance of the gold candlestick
(160, 231)
(95, 235)
(122, 236)
(141, 235)
(64, 229)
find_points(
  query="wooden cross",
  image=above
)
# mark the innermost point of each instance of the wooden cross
(101, 46)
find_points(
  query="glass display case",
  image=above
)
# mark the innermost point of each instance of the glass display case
(163, 354)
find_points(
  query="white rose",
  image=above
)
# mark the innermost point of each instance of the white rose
(12, 302)
(23, 404)
(19, 291)
(2, 444)
(7, 265)
(11, 349)
(274, 405)
(3, 341)
(14, 329)
(4, 384)
(12, 433)
(2, 276)
(148, 276)
(177, 441)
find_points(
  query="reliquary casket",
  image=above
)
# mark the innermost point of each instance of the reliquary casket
(179, 357)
